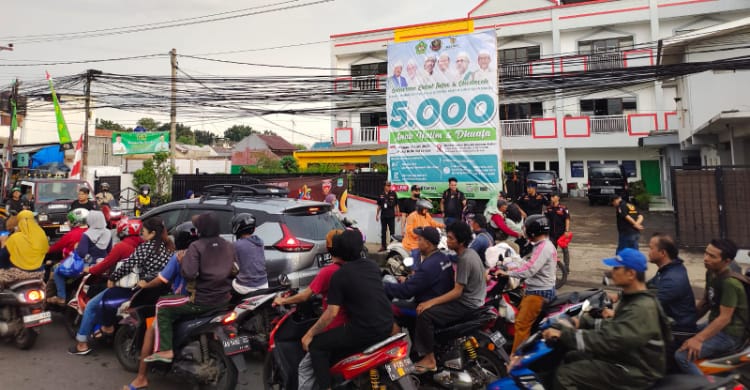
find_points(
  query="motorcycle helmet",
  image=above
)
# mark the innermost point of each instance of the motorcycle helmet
(104, 186)
(423, 204)
(184, 234)
(243, 223)
(77, 217)
(536, 225)
(145, 189)
(129, 227)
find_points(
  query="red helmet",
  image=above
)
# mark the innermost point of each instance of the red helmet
(129, 227)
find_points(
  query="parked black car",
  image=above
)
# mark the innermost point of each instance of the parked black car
(292, 230)
(606, 181)
(547, 182)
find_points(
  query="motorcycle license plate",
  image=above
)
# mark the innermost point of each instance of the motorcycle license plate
(498, 339)
(37, 319)
(236, 345)
(323, 259)
(64, 228)
(399, 368)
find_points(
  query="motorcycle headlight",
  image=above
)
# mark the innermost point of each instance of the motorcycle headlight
(43, 217)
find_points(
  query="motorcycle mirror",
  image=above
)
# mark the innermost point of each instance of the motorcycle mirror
(284, 280)
(606, 279)
(409, 261)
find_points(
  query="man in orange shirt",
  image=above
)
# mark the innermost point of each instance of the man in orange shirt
(419, 218)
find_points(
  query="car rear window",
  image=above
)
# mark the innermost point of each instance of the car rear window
(312, 227)
(606, 173)
(540, 176)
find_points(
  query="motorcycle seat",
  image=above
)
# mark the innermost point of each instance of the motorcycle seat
(14, 277)
(690, 382)
(183, 327)
(381, 344)
(264, 291)
(470, 322)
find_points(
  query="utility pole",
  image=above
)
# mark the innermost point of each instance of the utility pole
(87, 92)
(9, 159)
(173, 111)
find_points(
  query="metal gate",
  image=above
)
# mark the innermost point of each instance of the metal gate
(712, 202)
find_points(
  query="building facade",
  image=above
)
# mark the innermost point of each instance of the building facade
(536, 39)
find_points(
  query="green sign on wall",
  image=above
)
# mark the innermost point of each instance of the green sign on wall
(140, 142)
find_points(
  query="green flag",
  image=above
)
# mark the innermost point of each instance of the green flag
(62, 128)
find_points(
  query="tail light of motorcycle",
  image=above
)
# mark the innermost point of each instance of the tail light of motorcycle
(229, 318)
(290, 243)
(32, 296)
(398, 352)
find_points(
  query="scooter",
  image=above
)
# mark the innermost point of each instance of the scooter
(77, 305)
(394, 264)
(382, 365)
(22, 309)
(254, 313)
(535, 356)
(207, 349)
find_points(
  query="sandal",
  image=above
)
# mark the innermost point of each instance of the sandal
(56, 301)
(102, 335)
(75, 351)
(419, 369)
(131, 387)
(157, 358)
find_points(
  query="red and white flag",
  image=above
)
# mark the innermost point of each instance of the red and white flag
(75, 173)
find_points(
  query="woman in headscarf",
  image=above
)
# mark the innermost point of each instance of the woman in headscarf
(95, 244)
(25, 249)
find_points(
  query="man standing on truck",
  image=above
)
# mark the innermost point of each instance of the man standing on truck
(83, 201)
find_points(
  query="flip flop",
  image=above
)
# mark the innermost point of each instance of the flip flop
(75, 351)
(131, 387)
(102, 335)
(419, 369)
(157, 358)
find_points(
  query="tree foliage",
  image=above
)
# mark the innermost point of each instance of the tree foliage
(109, 125)
(156, 172)
(289, 164)
(269, 132)
(203, 137)
(150, 124)
(300, 147)
(237, 132)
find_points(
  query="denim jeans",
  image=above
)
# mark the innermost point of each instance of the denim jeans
(59, 283)
(450, 220)
(721, 343)
(627, 240)
(91, 317)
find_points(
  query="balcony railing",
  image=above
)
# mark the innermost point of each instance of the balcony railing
(366, 135)
(513, 71)
(367, 83)
(516, 127)
(608, 124)
(605, 61)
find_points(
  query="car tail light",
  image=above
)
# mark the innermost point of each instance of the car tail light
(290, 243)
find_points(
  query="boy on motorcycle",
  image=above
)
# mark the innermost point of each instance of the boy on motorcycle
(626, 351)
(251, 258)
(357, 289)
(468, 293)
(143, 200)
(207, 266)
(539, 273)
(319, 285)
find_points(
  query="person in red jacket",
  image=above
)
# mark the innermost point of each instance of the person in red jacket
(67, 243)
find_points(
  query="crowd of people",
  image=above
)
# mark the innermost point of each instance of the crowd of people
(653, 328)
(442, 69)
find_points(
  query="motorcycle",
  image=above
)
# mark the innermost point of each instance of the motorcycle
(22, 309)
(112, 213)
(207, 349)
(75, 308)
(254, 313)
(382, 365)
(397, 254)
(535, 357)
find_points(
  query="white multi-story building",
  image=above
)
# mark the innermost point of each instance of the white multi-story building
(537, 38)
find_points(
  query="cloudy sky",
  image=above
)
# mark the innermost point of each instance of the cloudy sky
(307, 24)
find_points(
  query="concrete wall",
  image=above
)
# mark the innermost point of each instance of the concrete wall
(188, 166)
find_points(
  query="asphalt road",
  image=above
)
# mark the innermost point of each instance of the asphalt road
(48, 366)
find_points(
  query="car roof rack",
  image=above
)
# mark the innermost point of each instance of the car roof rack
(235, 191)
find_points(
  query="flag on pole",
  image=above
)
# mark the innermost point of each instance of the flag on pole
(75, 173)
(66, 142)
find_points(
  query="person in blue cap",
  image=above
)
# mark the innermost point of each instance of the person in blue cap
(624, 351)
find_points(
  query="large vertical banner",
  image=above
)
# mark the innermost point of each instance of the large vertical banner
(443, 114)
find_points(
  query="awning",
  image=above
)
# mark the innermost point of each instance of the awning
(661, 138)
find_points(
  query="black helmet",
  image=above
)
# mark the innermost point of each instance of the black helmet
(423, 204)
(243, 223)
(536, 225)
(145, 187)
(184, 234)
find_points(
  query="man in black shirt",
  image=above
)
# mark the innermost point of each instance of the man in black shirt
(453, 203)
(357, 289)
(386, 213)
(16, 203)
(559, 223)
(407, 206)
(83, 201)
(532, 202)
(629, 224)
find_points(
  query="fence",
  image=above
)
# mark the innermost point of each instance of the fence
(368, 184)
(712, 202)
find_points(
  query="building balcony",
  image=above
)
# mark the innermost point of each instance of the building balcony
(364, 135)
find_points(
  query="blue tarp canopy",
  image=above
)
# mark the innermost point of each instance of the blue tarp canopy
(47, 156)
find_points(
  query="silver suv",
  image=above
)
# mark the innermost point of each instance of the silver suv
(292, 230)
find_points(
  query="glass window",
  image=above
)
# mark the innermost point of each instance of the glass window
(611, 162)
(524, 166)
(540, 176)
(59, 190)
(312, 227)
(614, 106)
(576, 168)
(605, 173)
(224, 217)
(369, 69)
(372, 119)
(519, 55)
(610, 45)
(555, 166)
(630, 168)
(171, 218)
(521, 111)
(540, 165)
(269, 232)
